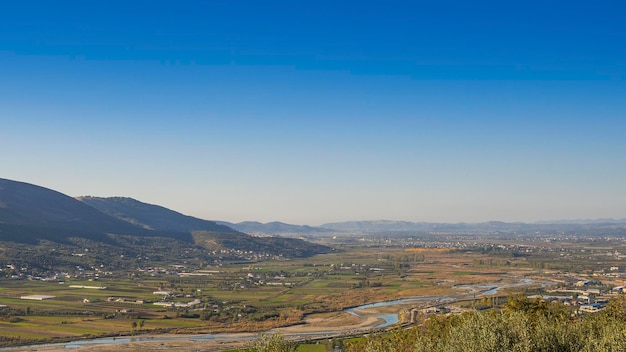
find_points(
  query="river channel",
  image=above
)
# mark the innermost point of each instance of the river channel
(385, 320)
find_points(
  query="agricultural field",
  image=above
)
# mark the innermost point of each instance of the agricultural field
(262, 295)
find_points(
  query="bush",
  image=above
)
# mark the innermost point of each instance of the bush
(272, 343)
(524, 326)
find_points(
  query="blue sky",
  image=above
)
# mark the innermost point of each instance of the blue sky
(323, 111)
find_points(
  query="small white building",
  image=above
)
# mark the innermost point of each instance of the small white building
(618, 289)
(582, 283)
(37, 297)
(591, 308)
(162, 293)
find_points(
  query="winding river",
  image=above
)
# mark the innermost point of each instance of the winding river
(386, 319)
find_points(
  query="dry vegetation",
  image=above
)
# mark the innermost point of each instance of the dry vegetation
(308, 293)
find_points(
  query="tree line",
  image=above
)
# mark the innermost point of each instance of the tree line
(523, 325)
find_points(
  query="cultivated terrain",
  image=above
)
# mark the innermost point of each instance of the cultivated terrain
(89, 267)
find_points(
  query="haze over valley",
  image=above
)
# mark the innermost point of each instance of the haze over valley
(313, 176)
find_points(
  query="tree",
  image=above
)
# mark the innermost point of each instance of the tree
(617, 308)
(272, 343)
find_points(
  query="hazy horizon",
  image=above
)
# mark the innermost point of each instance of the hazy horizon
(319, 113)
(566, 220)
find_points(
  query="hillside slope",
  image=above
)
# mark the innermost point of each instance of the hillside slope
(204, 232)
(29, 213)
(273, 228)
(150, 216)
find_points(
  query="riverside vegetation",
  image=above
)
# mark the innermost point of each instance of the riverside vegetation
(523, 325)
(90, 267)
(235, 294)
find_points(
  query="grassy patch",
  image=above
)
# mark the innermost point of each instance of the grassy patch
(311, 348)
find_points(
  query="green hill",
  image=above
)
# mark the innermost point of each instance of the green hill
(30, 214)
(150, 216)
(206, 233)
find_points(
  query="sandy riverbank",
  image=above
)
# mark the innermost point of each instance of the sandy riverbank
(315, 325)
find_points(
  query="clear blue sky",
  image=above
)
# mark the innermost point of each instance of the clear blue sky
(312, 112)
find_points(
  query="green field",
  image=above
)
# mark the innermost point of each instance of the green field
(261, 295)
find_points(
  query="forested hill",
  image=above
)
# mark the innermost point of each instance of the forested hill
(29, 213)
(152, 216)
(206, 233)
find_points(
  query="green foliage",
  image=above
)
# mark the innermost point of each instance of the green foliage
(617, 308)
(15, 319)
(400, 340)
(272, 343)
(312, 348)
(264, 316)
(537, 307)
(523, 326)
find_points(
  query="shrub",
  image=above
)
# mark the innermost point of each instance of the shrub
(272, 343)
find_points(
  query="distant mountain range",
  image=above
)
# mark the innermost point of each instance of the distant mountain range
(274, 228)
(30, 213)
(583, 221)
(591, 226)
(208, 233)
(606, 226)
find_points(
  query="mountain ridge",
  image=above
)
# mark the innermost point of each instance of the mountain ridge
(208, 233)
(31, 214)
(151, 216)
(609, 225)
(273, 227)
(36, 212)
